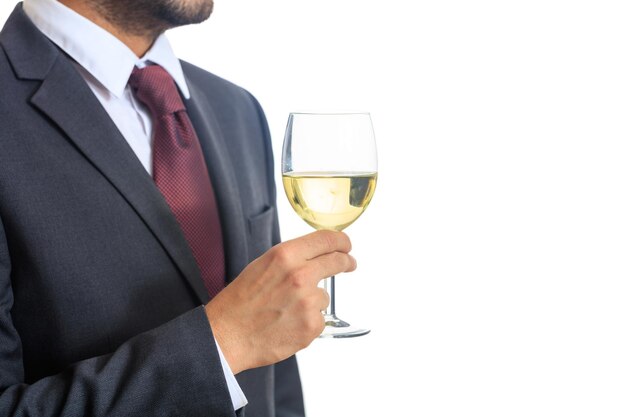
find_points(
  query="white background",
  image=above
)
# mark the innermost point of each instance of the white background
(492, 260)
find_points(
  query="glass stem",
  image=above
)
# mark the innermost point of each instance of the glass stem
(329, 286)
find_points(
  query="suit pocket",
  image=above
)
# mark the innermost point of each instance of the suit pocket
(260, 229)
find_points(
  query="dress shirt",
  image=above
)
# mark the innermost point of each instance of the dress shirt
(106, 64)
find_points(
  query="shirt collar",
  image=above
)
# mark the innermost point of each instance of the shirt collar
(104, 56)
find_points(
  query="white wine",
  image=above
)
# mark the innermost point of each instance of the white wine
(329, 200)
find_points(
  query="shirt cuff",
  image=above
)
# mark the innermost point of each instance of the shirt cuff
(236, 394)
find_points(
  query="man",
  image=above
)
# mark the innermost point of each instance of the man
(137, 219)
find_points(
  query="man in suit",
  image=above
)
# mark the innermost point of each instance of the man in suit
(140, 266)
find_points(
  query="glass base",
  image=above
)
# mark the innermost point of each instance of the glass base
(337, 328)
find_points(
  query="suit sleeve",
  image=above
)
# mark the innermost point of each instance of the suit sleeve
(169, 371)
(288, 388)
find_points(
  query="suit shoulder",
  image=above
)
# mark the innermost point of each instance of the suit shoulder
(209, 81)
(227, 96)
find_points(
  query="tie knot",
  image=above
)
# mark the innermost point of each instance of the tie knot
(155, 88)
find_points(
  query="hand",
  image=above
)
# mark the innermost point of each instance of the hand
(273, 309)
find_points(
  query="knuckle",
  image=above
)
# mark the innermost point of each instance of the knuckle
(330, 241)
(307, 303)
(350, 263)
(314, 324)
(337, 241)
(343, 261)
(325, 297)
(347, 242)
(281, 254)
(298, 278)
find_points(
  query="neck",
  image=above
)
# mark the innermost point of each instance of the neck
(139, 44)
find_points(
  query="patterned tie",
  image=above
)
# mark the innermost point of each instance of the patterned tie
(180, 172)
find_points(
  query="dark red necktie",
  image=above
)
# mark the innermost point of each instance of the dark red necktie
(180, 172)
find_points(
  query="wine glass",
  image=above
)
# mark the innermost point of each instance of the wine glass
(330, 168)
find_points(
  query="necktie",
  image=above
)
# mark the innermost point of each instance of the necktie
(180, 172)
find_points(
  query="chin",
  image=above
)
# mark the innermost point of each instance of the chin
(185, 12)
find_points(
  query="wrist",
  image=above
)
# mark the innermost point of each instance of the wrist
(224, 339)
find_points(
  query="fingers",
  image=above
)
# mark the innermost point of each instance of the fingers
(331, 264)
(323, 266)
(321, 242)
(322, 299)
(312, 272)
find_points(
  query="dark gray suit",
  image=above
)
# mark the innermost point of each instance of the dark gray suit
(100, 297)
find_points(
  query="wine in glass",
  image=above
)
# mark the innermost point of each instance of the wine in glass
(330, 168)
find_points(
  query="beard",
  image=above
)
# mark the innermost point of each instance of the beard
(152, 17)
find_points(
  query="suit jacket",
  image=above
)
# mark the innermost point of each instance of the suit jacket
(100, 296)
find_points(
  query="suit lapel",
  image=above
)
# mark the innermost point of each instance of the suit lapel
(223, 178)
(66, 99)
